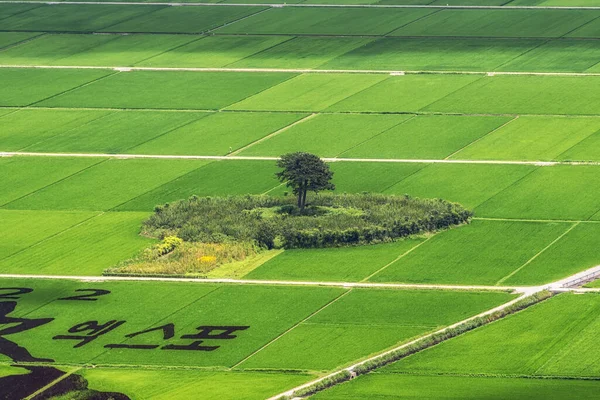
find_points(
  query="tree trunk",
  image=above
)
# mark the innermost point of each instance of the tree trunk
(304, 198)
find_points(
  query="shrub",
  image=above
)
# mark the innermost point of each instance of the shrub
(328, 221)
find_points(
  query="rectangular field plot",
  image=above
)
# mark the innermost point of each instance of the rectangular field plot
(7, 10)
(404, 93)
(350, 177)
(405, 387)
(325, 21)
(301, 52)
(554, 338)
(91, 50)
(574, 252)
(85, 249)
(219, 178)
(26, 127)
(468, 184)
(105, 185)
(557, 56)
(367, 321)
(214, 51)
(327, 135)
(498, 23)
(11, 38)
(437, 54)
(590, 30)
(349, 264)
(73, 17)
(22, 87)
(26, 228)
(218, 134)
(586, 150)
(186, 384)
(426, 137)
(169, 90)
(484, 252)
(24, 175)
(532, 138)
(560, 192)
(183, 19)
(544, 95)
(116, 132)
(309, 92)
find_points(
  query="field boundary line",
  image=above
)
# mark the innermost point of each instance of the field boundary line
(38, 5)
(351, 369)
(72, 89)
(53, 383)
(482, 137)
(272, 134)
(210, 30)
(291, 37)
(572, 221)
(170, 49)
(413, 21)
(20, 42)
(579, 27)
(297, 324)
(43, 240)
(308, 5)
(538, 253)
(399, 257)
(63, 132)
(542, 43)
(100, 29)
(53, 183)
(348, 285)
(315, 70)
(410, 117)
(326, 159)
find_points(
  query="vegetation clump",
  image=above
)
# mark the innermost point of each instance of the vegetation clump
(328, 221)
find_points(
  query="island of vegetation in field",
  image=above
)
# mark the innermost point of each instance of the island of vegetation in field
(200, 234)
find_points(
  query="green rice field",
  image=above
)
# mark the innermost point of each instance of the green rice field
(110, 111)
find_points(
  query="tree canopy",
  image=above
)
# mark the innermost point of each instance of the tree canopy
(304, 172)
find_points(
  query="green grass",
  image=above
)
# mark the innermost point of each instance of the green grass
(586, 150)
(544, 95)
(72, 17)
(12, 38)
(353, 177)
(438, 54)
(219, 178)
(309, 92)
(217, 134)
(426, 137)
(589, 30)
(116, 132)
(347, 264)
(170, 90)
(91, 50)
(182, 19)
(345, 330)
(554, 338)
(325, 21)
(24, 175)
(468, 184)
(532, 138)
(105, 185)
(481, 253)
(327, 135)
(378, 386)
(170, 384)
(214, 51)
(22, 87)
(23, 229)
(26, 127)
(559, 192)
(404, 93)
(12, 9)
(84, 249)
(557, 56)
(301, 52)
(573, 253)
(498, 23)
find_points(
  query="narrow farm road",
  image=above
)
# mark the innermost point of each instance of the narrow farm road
(438, 6)
(300, 70)
(326, 159)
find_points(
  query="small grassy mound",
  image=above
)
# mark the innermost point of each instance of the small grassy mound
(329, 221)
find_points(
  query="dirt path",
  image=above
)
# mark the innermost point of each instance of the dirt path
(326, 159)
(300, 70)
(129, 3)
